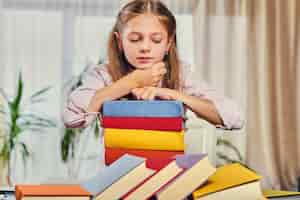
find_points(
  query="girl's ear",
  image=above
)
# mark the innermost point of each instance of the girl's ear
(119, 40)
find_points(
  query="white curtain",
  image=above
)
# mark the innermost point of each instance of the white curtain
(50, 41)
(220, 42)
(249, 49)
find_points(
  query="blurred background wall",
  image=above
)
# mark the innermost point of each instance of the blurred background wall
(247, 50)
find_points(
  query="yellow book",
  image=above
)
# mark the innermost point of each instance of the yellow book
(248, 191)
(144, 139)
(227, 176)
(279, 193)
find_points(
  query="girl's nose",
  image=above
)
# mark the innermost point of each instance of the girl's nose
(145, 46)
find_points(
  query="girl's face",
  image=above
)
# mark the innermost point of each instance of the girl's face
(144, 41)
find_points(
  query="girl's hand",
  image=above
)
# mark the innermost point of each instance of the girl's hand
(150, 76)
(150, 93)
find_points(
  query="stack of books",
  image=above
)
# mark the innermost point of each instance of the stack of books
(132, 177)
(182, 177)
(143, 128)
(144, 153)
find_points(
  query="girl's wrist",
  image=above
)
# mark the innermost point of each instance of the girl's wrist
(133, 79)
(175, 95)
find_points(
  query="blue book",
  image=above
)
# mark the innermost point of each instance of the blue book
(152, 108)
(109, 175)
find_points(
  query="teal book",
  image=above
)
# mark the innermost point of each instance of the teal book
(137, 108)
(111, 174)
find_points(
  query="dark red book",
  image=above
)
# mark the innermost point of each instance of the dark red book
(156, 164)
(112, 154)
(145, 123)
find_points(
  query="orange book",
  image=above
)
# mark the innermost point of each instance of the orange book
(45, 192)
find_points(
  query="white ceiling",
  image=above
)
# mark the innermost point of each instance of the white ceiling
(92, 7)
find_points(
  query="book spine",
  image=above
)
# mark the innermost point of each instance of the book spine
(144, 140)
(112, 154)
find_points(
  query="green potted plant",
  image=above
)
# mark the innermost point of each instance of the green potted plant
(17, 119)
(70, 143)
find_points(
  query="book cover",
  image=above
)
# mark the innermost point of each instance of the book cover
(247, 191)
(144, 123)
(220, 180)
(165, 175)
(153, 108)
(112, 154)
(126, 183)
(280, 194)
(111, 174)
(51, 191)
(187, 182)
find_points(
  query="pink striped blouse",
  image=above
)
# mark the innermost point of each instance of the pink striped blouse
(75, 114)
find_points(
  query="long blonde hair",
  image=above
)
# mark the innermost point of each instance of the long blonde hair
(116, 60)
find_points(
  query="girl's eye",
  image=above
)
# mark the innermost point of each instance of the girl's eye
(134, 40)
(157, 41)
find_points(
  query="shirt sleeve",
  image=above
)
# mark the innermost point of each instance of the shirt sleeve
(75, 113)
(228, 110)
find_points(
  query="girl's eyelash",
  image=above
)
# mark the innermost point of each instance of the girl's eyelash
(136, 40)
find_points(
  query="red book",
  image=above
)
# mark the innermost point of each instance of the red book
(157, 164)
(112, 154)
(145, 123)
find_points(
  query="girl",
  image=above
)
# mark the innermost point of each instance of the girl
(143, 63)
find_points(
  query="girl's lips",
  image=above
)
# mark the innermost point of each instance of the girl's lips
(144, 59)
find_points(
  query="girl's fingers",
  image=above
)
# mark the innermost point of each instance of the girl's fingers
(137, 92)
(155, 82)
(146, 94)
(163, 71)
(152, 95)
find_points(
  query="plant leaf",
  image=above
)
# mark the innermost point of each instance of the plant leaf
(226, 158)
(40, 92)
(18, 97)
(34, 124)
(36, 118)
(5, 152)
(97, 129)
(25, 152)
(231, 146)
(67, 143)
(35, 101)
(36, 130)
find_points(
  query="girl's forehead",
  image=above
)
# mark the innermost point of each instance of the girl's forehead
(145, 23)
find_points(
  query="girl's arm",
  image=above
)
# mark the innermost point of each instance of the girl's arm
(118, 89)
(220, 110)
(216, 109)
(137, 78)
(203, 108)
(85, 102)
(205, 101)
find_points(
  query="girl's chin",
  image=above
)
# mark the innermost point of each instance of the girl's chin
(143, 65)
